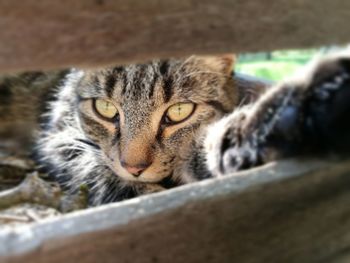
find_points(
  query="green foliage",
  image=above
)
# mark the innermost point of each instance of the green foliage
(278, 66)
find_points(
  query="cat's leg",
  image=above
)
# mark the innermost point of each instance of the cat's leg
(306, 115)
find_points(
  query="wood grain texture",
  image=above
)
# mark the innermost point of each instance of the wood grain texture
(292, 211)
(43, 34)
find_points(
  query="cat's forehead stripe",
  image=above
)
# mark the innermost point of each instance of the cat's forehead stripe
(158, 80)
(140, 81)
(113, 76)
(119, 73)
(164, 67)
(168, 80)
(152, 84)
(110, 84)
(95, 83)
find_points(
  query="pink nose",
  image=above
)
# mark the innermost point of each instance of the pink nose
(135, 170)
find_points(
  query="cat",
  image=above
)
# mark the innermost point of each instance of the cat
(136, 129)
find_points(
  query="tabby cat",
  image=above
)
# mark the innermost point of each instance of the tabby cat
(135, 129)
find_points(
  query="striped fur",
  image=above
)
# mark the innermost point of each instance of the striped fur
(76, 146)
(80, 148)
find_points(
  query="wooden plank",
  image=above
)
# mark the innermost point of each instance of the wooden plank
(292, 211)
(37, 34)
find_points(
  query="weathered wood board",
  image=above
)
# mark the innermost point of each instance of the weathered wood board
(51, 34)
(293, 211)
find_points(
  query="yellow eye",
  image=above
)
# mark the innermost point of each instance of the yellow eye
(105, 108)
(179, 112)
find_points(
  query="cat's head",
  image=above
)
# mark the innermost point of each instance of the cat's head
(145, 117)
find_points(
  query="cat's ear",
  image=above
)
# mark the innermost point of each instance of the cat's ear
(220, 63)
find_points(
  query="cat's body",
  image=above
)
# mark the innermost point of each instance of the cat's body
(22, 101)
(131, 130)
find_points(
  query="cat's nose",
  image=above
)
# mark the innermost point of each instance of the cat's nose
(135, 170)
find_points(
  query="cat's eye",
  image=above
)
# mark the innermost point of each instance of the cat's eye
(105, 108)
(179, 112)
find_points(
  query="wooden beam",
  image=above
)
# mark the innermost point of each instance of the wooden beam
(291, 211)
(55, 34)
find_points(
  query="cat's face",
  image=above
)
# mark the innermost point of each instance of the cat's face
(145, 117)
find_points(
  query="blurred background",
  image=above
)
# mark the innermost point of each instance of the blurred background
(277, 65)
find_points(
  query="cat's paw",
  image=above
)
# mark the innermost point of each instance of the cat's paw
(305, 115)
(257, 133)
(228, 148)
(327, 104)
